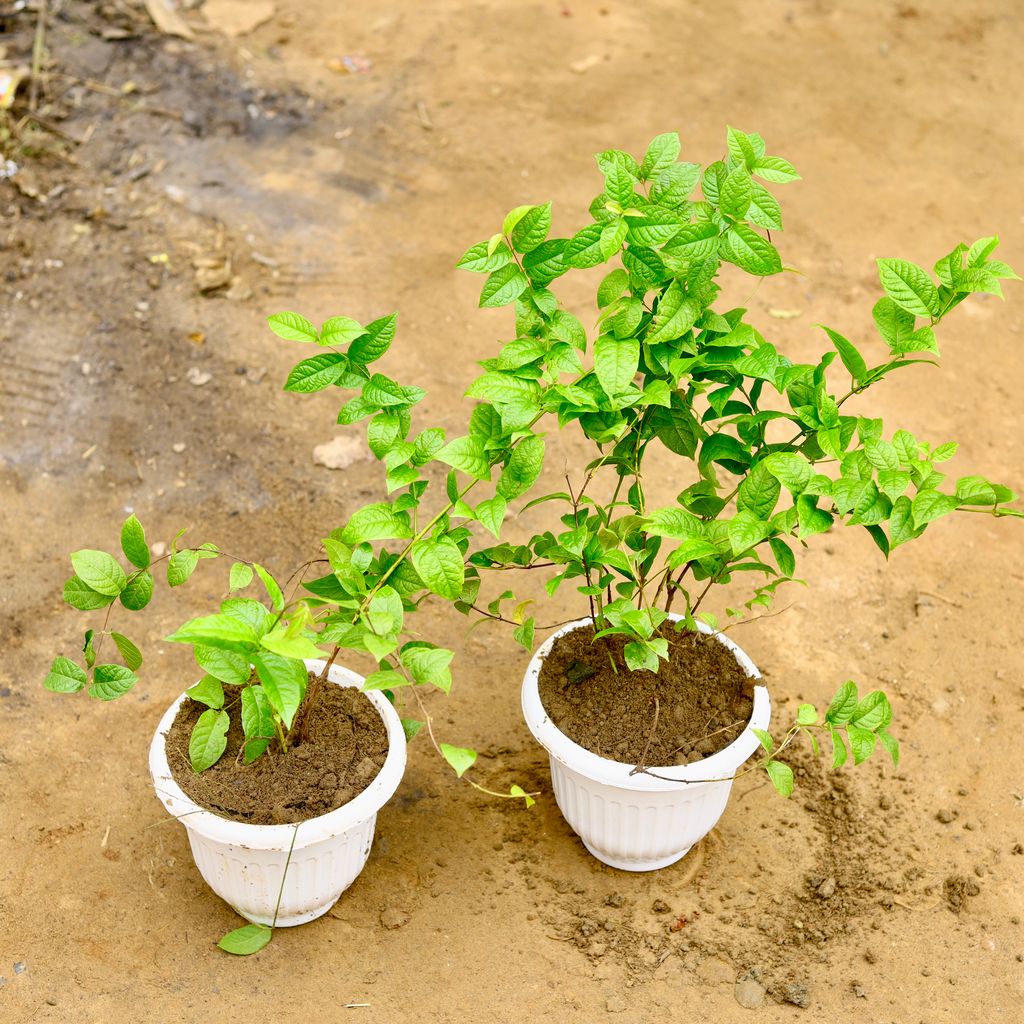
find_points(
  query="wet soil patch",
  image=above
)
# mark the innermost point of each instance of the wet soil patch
(702, 696)
(346, 748)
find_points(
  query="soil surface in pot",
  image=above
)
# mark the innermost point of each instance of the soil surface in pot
(346, 747)
(702, 696)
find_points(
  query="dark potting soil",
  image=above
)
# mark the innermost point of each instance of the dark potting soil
(704, 698)
(345, 748)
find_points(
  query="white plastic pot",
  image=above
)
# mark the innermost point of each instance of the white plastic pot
(639, 822)
(244, 864)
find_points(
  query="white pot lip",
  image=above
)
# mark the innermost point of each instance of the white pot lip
(721, 765)
(280, 837)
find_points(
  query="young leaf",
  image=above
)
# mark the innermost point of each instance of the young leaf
(375, 342)
(492, 514)
(227, 666)
(81, 596)
(257, 722)
(661, 154)
(208, 691)
(439, 564)
(429, 665)
(316, 373)
(240, 576)
(615, 361)
(273, 590)
(209, 739)
(133, 543)
(284, 682)
(843, 705)
(523, 469)
(245, 941)
(340, 330)
(180, 566)
(782, 777)
(129, 652)
(806, 715)
(468, 455)
(532, 228)
(111, 681)
(505, 285)
(764, 738)
(99, 571)
(65, 676)
(292, 327)
(459, 758)
(909, 286)
(137, 592)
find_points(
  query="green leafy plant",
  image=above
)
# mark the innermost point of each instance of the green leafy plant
(770, 448)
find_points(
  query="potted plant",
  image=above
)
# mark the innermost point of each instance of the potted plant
(277, 760)
(646, 708)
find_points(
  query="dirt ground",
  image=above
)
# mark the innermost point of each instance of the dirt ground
(873, 895)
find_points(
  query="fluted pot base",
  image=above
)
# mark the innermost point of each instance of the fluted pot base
(638, 821)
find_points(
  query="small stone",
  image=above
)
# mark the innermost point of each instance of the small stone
(1018, 849)
(660, 907)
(20, 967)
(616, 899)
(749, 992)
(797, 994)
(392, 918)
(615, 1004)
(827, 889)
(945, 815)
(86, 369)
(342, 452)
(178, 447)
(198, 377)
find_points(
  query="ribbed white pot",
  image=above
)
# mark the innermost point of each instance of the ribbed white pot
(639, 822)
(244, 864)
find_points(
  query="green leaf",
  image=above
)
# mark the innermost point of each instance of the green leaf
(180, 566)
(791, 469)
(782, 777)
(852, 359)
(674, 523)
(429, 665)
(81, 596)
(743, 246)
(783, 556)
(736, 193)
(65, 676)
(806, 715)
(862, 742)
(615, 362)
(111, 681)
(759, 491)
(764, 738)
(492, 514)
(292, 327)
(284, 680)
(282, 640)
(611, 287)
(459, 758)
(208, 691)
(378, 521)
(774, 168)
(873, 713)
(385, 679)
(245, 941)
(505, 285)
(693, 242)
(227, 666)
(676, 314)
(225, 631)
(523, 469)
(745, 531)
(385, 613)
(764, 210)
(411, 728)
(654, 228)
(257, 722)
(131, 655)
(468, 455)
(317, 373)
(929, 505)
(838, 749)
(240, 576)
(440, 566)
(524, 634)
(662, 153)
(99, 571)
(975, 490)
(909, 286)
(137, 593)
(273, 590)
(375, 342)
(209, 739)
(532, 228)
(894, 323)
(892, 747)
(340, 330)
(133, 543)
(843, 705)
(481, 259)
(584, 248)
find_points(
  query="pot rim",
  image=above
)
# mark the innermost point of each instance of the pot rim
(720, 766)
(280, 837)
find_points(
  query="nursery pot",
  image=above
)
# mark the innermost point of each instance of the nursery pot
(637, 822)
(244, 864)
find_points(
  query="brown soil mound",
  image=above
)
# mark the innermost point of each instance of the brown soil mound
(345, 750)
(696, 705)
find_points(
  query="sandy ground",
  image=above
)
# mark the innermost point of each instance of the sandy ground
(355, 193)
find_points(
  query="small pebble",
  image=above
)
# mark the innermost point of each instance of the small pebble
(945, 815)
(178, 448)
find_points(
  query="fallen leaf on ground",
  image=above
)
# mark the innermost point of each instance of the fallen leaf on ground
(166, 18)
